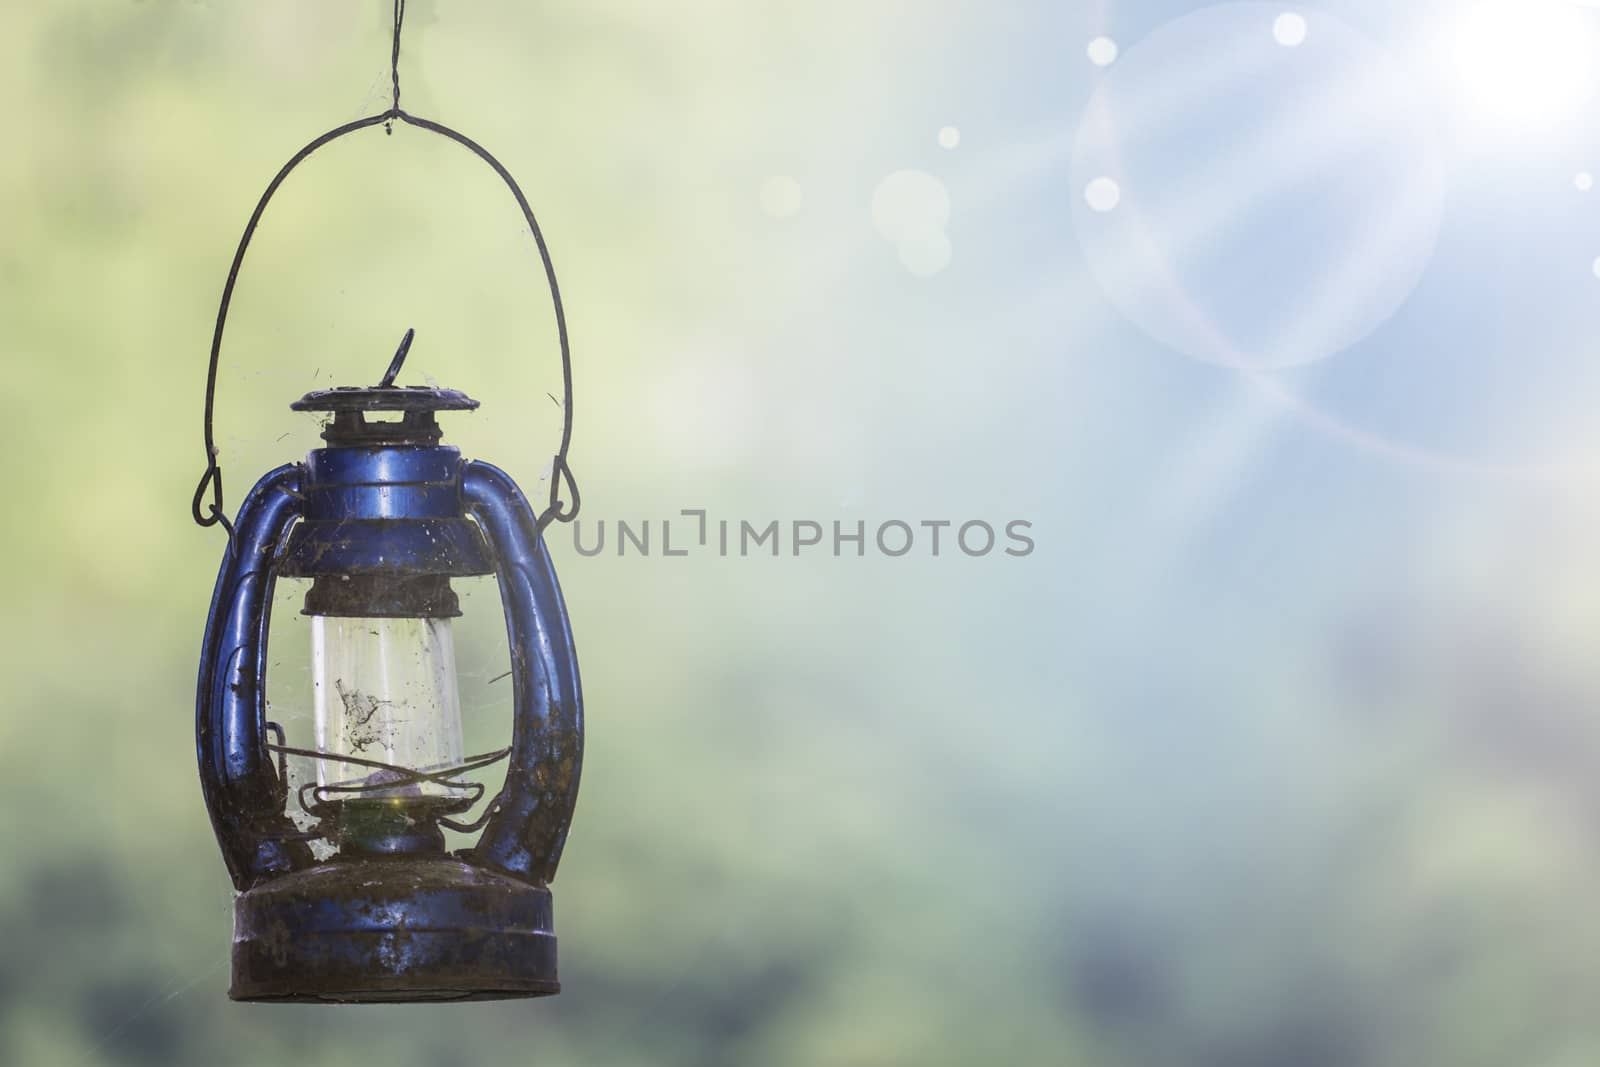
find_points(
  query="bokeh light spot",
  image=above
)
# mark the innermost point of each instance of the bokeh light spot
(1290, 29)
(1584, 182)
(949, 137)
(927, 255)
(911, 208)
(1103, 51)
(1102, 195)
(909, 204)
(781, 197)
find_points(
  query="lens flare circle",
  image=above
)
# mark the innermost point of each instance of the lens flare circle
(1274, 205)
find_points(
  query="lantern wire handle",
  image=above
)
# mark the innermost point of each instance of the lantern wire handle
(212, 512)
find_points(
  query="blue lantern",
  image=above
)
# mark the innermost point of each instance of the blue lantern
(379, 521)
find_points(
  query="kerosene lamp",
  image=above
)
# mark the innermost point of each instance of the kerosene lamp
(379, 522)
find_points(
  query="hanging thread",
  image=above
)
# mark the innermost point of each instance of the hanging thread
(394, 60)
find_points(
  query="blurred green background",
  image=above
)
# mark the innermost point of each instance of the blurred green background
(1277, 750)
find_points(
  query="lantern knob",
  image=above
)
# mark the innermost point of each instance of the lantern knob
(399, 360)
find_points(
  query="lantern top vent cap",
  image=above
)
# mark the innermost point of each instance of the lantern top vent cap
(384, 398)
(417, 403)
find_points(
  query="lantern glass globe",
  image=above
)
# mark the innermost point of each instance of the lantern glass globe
(386, 690)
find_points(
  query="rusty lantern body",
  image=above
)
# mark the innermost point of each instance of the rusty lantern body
(380, 520)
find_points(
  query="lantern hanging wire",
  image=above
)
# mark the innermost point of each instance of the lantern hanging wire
(213, 512)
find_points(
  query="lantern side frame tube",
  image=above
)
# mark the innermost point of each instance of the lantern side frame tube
(242, 792)
(527, 829)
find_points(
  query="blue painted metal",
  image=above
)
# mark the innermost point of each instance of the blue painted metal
(452, 547)
(236, 774)
(405, 925)
(384, 483)
(385, 510)
(526, 835)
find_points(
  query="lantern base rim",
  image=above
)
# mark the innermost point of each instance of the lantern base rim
(393, 930)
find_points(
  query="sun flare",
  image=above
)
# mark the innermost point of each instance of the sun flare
(1521, 65)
